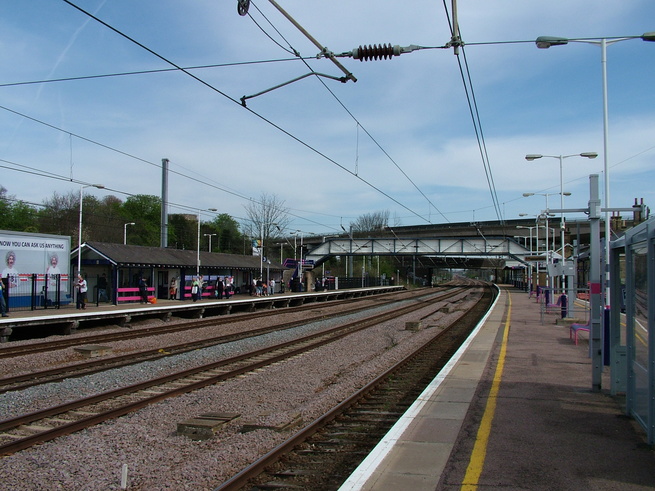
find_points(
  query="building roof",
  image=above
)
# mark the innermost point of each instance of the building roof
(141, 256)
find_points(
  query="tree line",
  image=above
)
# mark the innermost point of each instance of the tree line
(104, 221)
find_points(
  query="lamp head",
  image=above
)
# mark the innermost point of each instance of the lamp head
(566, 193)
(545, 42)
(648, 36)
(533, 156)
(528, 194)
(589, 155)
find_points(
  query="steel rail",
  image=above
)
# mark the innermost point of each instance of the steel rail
(11, 351)
(243, 478)
(263, 357)
(23, 381)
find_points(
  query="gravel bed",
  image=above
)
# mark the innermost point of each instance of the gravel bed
(146, 441)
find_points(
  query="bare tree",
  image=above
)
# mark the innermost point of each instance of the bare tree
(371, 222)
(268, 217)
(60, 214)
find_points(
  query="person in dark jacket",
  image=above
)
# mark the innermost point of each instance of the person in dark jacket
(143, 290)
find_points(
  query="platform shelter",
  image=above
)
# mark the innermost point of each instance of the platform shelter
(633, 350)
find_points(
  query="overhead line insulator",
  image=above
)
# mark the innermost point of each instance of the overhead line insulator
(380, 51)
(373, 52)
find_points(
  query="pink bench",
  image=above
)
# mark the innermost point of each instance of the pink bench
(124, 294)
(575, 328)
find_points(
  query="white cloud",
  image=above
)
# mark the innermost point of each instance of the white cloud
(414, 106)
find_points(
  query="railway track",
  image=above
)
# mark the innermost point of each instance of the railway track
(27, 430)
(33, 378)
(9, 351)
(324, 453)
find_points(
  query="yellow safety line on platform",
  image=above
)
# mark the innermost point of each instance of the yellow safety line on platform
(476, 463)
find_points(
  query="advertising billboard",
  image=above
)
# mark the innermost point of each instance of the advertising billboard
(25, 255)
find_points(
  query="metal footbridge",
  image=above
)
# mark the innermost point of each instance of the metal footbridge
(492, 252)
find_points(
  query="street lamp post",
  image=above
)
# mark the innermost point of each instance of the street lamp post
(532, 282)
(198, 248)
(349, 258)
(547, 213)
(79, 232)
(588, 155)
(125, 232)
(545, 42)
(261, 251)
(290, 245)
(209, 249)
(300, 262)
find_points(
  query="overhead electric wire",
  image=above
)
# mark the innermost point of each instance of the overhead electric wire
(304, 60)
(279, 128)
(144, 72)
(482, 142)
(203, 181)
(292, 51)
(475, 116)
(207, 84)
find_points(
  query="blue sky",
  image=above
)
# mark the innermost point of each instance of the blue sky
(400, 139)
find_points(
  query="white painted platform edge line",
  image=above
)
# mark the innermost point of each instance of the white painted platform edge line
(365, 470)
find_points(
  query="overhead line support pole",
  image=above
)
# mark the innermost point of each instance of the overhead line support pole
(455, 41)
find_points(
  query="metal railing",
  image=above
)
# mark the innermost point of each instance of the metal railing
(36, 291)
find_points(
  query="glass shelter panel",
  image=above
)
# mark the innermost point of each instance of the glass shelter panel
(638, 330)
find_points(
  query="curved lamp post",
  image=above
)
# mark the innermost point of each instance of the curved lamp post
(536, 156)
(545, 42)
(79, 232)
(546, 214)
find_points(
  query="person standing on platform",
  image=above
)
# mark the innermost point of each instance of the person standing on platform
(271, 287)
(201, 286)
(143, 290)
(172, 290)
(81, 292)
(195, 289)
(219, 289)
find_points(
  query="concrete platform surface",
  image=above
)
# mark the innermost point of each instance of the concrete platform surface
(515, 411)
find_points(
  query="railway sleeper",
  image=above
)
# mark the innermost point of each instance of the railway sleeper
(58, 421)
(11, 436)
(82, 414)
(296, 473)
(33, 429)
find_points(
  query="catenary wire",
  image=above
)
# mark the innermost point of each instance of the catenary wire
(275, 125)
(475, 116)
(354, 118)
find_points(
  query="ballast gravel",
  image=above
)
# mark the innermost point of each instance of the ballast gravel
(144, 447)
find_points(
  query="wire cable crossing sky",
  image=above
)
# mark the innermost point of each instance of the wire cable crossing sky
(428, 136)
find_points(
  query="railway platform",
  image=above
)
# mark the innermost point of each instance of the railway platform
(515, 409)
(67, 319)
